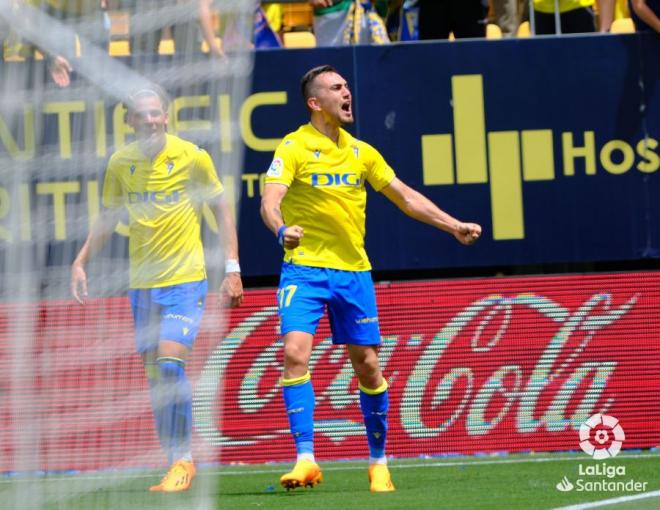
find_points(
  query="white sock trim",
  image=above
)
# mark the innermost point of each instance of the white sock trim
(306, 456)
(379, 460)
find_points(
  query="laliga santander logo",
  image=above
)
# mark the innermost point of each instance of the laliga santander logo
(601, 436)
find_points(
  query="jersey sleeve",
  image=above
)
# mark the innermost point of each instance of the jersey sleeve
(205, 176)
(282, 169)
(112, 196)
(379, 173)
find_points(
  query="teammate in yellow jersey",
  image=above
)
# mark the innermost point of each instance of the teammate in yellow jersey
(163, 182)
(314, 202)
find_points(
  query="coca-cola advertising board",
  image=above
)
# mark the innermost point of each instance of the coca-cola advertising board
(474, 365)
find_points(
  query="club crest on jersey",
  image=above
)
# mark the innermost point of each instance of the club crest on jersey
(275, 169)
(317, 153)
(356, 150)
(170, 167)
(132, 169)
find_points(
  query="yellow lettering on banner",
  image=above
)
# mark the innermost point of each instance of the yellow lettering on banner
(224, 116)
(645, 148)
(506, 185)
(92, 202)
(26, 214)
(250, 179)
(99, 129)
(469, 128)
(183, 102)
(63, 110)
(119, 127)
(5, 208)
(28, 136)
(437, 160)
(626, 162)
(251, 103)
(59, 190)
(571, 152)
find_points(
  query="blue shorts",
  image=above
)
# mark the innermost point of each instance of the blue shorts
(305, 292)
(167, 313)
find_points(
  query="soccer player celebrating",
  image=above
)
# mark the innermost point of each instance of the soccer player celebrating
(163, 181)
(314, 201)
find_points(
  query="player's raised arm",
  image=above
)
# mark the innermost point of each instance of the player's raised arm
(417, 206)
(232, 286)
(96, 239)
(287, 235)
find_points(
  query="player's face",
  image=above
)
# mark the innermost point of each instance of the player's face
(333, 98)
(148, 119)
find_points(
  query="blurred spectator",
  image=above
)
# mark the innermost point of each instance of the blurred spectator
(274, 15)
(463, 18)
(402, 20)
(86, 18)
(149, 20)
(506, 16)
(342, 22)
(646, 14)
(576, 16)
(88, 23)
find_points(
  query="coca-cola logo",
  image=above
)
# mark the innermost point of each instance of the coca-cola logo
(555, 390)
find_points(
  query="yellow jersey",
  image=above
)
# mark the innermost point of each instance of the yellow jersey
(548, 6)
(327, 195)
(164, 199)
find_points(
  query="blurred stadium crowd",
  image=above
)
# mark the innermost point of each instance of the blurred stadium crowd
(166, 27)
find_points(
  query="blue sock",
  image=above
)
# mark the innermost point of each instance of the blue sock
(153, 378)
(175, 399)
(375, 404)
(299, 401)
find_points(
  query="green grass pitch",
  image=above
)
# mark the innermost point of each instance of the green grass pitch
(491, 482)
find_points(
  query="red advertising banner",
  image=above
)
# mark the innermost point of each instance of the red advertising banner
(474, 365)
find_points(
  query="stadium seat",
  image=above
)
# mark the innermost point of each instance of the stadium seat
(166, 47)
(299, 40)
(523, 30)
(493, 31)
(622, 26)
(205, 46)
(297, 16)
(119, 49)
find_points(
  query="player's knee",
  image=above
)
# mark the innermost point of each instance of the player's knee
(295, 355)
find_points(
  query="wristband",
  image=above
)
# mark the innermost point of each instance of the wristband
(232, 266)
(280, 235)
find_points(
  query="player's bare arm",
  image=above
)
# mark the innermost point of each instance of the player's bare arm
(418, 207)
(96, 239)
(231, 288)
(271, 214)
(646, 14)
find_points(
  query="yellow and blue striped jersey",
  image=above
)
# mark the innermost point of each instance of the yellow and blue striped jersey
(164, 199)
(327, 195)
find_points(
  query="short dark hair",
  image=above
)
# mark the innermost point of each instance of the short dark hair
(149, 90)
(310, 76)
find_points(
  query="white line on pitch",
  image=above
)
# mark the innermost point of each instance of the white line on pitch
(612, 501)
